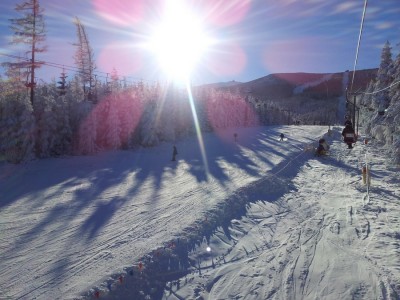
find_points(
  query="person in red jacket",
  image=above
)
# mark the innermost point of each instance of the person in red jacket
(349, 136)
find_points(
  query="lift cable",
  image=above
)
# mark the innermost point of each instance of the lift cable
(358, 43)
(69, 68)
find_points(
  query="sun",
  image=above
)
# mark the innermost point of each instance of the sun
(178, 41)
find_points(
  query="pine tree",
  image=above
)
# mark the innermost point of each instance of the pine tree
(29, 30)
(129, 113)
(115, 86)
(62, 84)
(381, 98)
(46, 123)
(88, 132)
(394, 72)
(148, 132)
(17, 138)
(15, 77)
(63, 134)
(113, 123)
(393, 112)
(84, 59)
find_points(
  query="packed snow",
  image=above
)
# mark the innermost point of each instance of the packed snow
(253, 218)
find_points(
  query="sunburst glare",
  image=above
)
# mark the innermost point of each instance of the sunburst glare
(198, 130)
(120, 12)
(178, 41)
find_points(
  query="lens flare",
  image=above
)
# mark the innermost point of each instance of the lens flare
(119, 110)
(178, 41)
(198, 130)
(123, 57)
(120, 12)
(222, 12)
(294, 54)
(227, 59)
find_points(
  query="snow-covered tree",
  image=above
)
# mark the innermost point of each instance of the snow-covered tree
(46, 123)
(17, 137)
(148, 130)
(380, 117)
(62, 143)
(381, 98)
(226, 109)
(29, 30)
(84, 58)
(113, 129)
(115, 84)
(129, 109)
(88, 131)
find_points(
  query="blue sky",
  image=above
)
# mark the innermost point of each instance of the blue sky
(249, 39)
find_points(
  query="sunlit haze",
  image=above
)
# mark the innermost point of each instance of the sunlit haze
(178, 41)
(211, 40)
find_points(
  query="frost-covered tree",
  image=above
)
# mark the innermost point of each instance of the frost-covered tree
(45, 125)
(384, 125)
(29, 30)
(226, 109)
(148, 130)
(87, 131)
(381, 98)
(366, 109)
(167, 122)
(394, 72)
(115, 83)
(84, 58)
(62, 143)
(16, 78)
(62, 84)
(129, 109)
(392, 118)
(366, 98)
(113, 126)
(17, 137)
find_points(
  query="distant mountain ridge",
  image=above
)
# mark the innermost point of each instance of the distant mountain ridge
(283, 85)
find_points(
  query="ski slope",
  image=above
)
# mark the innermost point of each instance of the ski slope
(134, 225)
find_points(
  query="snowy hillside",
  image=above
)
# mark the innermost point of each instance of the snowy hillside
(279, 222)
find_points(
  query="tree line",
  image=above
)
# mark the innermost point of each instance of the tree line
(84, 115)
(379, 105)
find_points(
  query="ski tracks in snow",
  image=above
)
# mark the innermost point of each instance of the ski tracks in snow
(317, 241)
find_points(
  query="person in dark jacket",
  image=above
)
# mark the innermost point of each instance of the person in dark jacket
(322, 148)
(349, 136)
(348, 122)
(174, 153)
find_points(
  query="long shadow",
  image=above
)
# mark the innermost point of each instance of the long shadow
(100, 217)
(87, 178)
(171, 263)
(30, 180)
(233, 153)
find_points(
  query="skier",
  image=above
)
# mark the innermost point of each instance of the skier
(174, 153)
(282, 136)
(349, 136)
(348, 122)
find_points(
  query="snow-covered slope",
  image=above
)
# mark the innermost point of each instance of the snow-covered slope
(120, 225)
(300, 88)
(325, 239)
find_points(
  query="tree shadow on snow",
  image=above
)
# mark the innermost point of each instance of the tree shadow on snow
(83, 184)
(100, 216)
